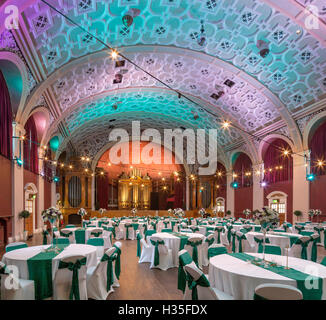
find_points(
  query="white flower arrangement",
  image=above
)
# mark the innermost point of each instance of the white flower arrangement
(267, 218)
(52, 214)
(247, 212)
(314, 212)
(133, 211)
(101, 211)
(179, 213)
(171, 212)
(202, 212)
(82, 212)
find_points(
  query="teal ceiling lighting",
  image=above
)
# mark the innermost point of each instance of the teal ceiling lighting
(54, 143)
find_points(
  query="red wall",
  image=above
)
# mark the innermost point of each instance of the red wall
(30, 177)
(243, 199)
(47, 194)
(5, 194)
(317, 195)
(283, 186)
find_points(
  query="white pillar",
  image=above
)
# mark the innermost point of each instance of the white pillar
(301, 188)
(187, 193)
(53, 195)
(17, 182)
(258, 191)
(40, 193)
(229, 193)
(93, 193)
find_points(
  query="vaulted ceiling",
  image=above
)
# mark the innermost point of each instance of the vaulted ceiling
(75, 73)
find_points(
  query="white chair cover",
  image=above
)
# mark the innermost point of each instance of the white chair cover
(63, 280)
(205, 246)
(204, 293)
(97, 279)
(295, 250)
(275, 291)
(165, 254)
(146, 252)
(246, 246)
(71, 237)
(189, 248)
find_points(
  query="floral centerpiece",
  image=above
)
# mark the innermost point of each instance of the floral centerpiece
(82, 212)
(52, 215)
(101, 211)
(170, 212)
(247, 212)
(133, 212)
(202, 212)
(267, 218)
(179, 213)
(314, 213)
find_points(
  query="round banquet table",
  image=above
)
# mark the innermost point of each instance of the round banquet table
(240, 278)
(173, 242)
(20, 257)
(278, 239)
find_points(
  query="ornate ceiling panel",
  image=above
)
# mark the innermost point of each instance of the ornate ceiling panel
(185, 73)
(294, 69)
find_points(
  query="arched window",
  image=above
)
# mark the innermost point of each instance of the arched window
(30, 147)
(278, 167)
(5, 119)
(317, 147)
(243, 170)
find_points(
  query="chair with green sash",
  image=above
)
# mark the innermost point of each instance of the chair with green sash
(229, 228)
(194, 229)
(209, 240)
(153, 225)
(22, 290)
(276, 291)
(46, 237)
(218, 234)
(312, 247)
(117, 264)
(320, 230)
(299, 228)
(300, 248)
(215, 250)
(233, 240)
(162, 256)
(195, 249)
(96, 233)
(66, 233)
(86, 223)
(259, 242)
(118, 230)
(242, 243)
(149, 233)
(129, 232)
(15, 245)
(100, 279)
(198, 286)
(166, 224)
(144, 250)
(286, 226)
(184, 259)
(270, 249)
(70, 279)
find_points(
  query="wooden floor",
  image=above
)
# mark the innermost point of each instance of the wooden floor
(138, 281)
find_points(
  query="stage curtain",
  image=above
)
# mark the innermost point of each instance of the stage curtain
(5, 119)
(274, 158)
(30, 147)
(102, 191)
(317, 146)
(241, 166)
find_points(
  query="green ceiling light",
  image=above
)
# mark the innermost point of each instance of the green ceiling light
(55, 143)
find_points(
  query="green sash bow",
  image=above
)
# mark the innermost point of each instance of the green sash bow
(139, 237)
(96, 234)
(240, 238)
(229, 228)
(166, 223)
(233, 241)
(194, 245)
(112, 229)
(66, 235)
(219, 231)
(192, 284)
(74, 267)
(45, 234)
(135, 226)
(260, 243)
(209, 241)
(117, 262)
(184, 259)
(314, 248)
(144, 225)
(299, 228)
(109, 270)
(304, 246)
(153, 224)
(156, 252)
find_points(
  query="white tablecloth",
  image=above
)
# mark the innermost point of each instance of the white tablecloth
(173, 243)
(240, 278)
(19, 257)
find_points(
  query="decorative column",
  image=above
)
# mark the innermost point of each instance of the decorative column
(211, 183)
(301, 190)
(18, 181)
(40, 194)
(187, 193)
(194, 192)
(93, 192)
(258, 191)
(229, 193)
